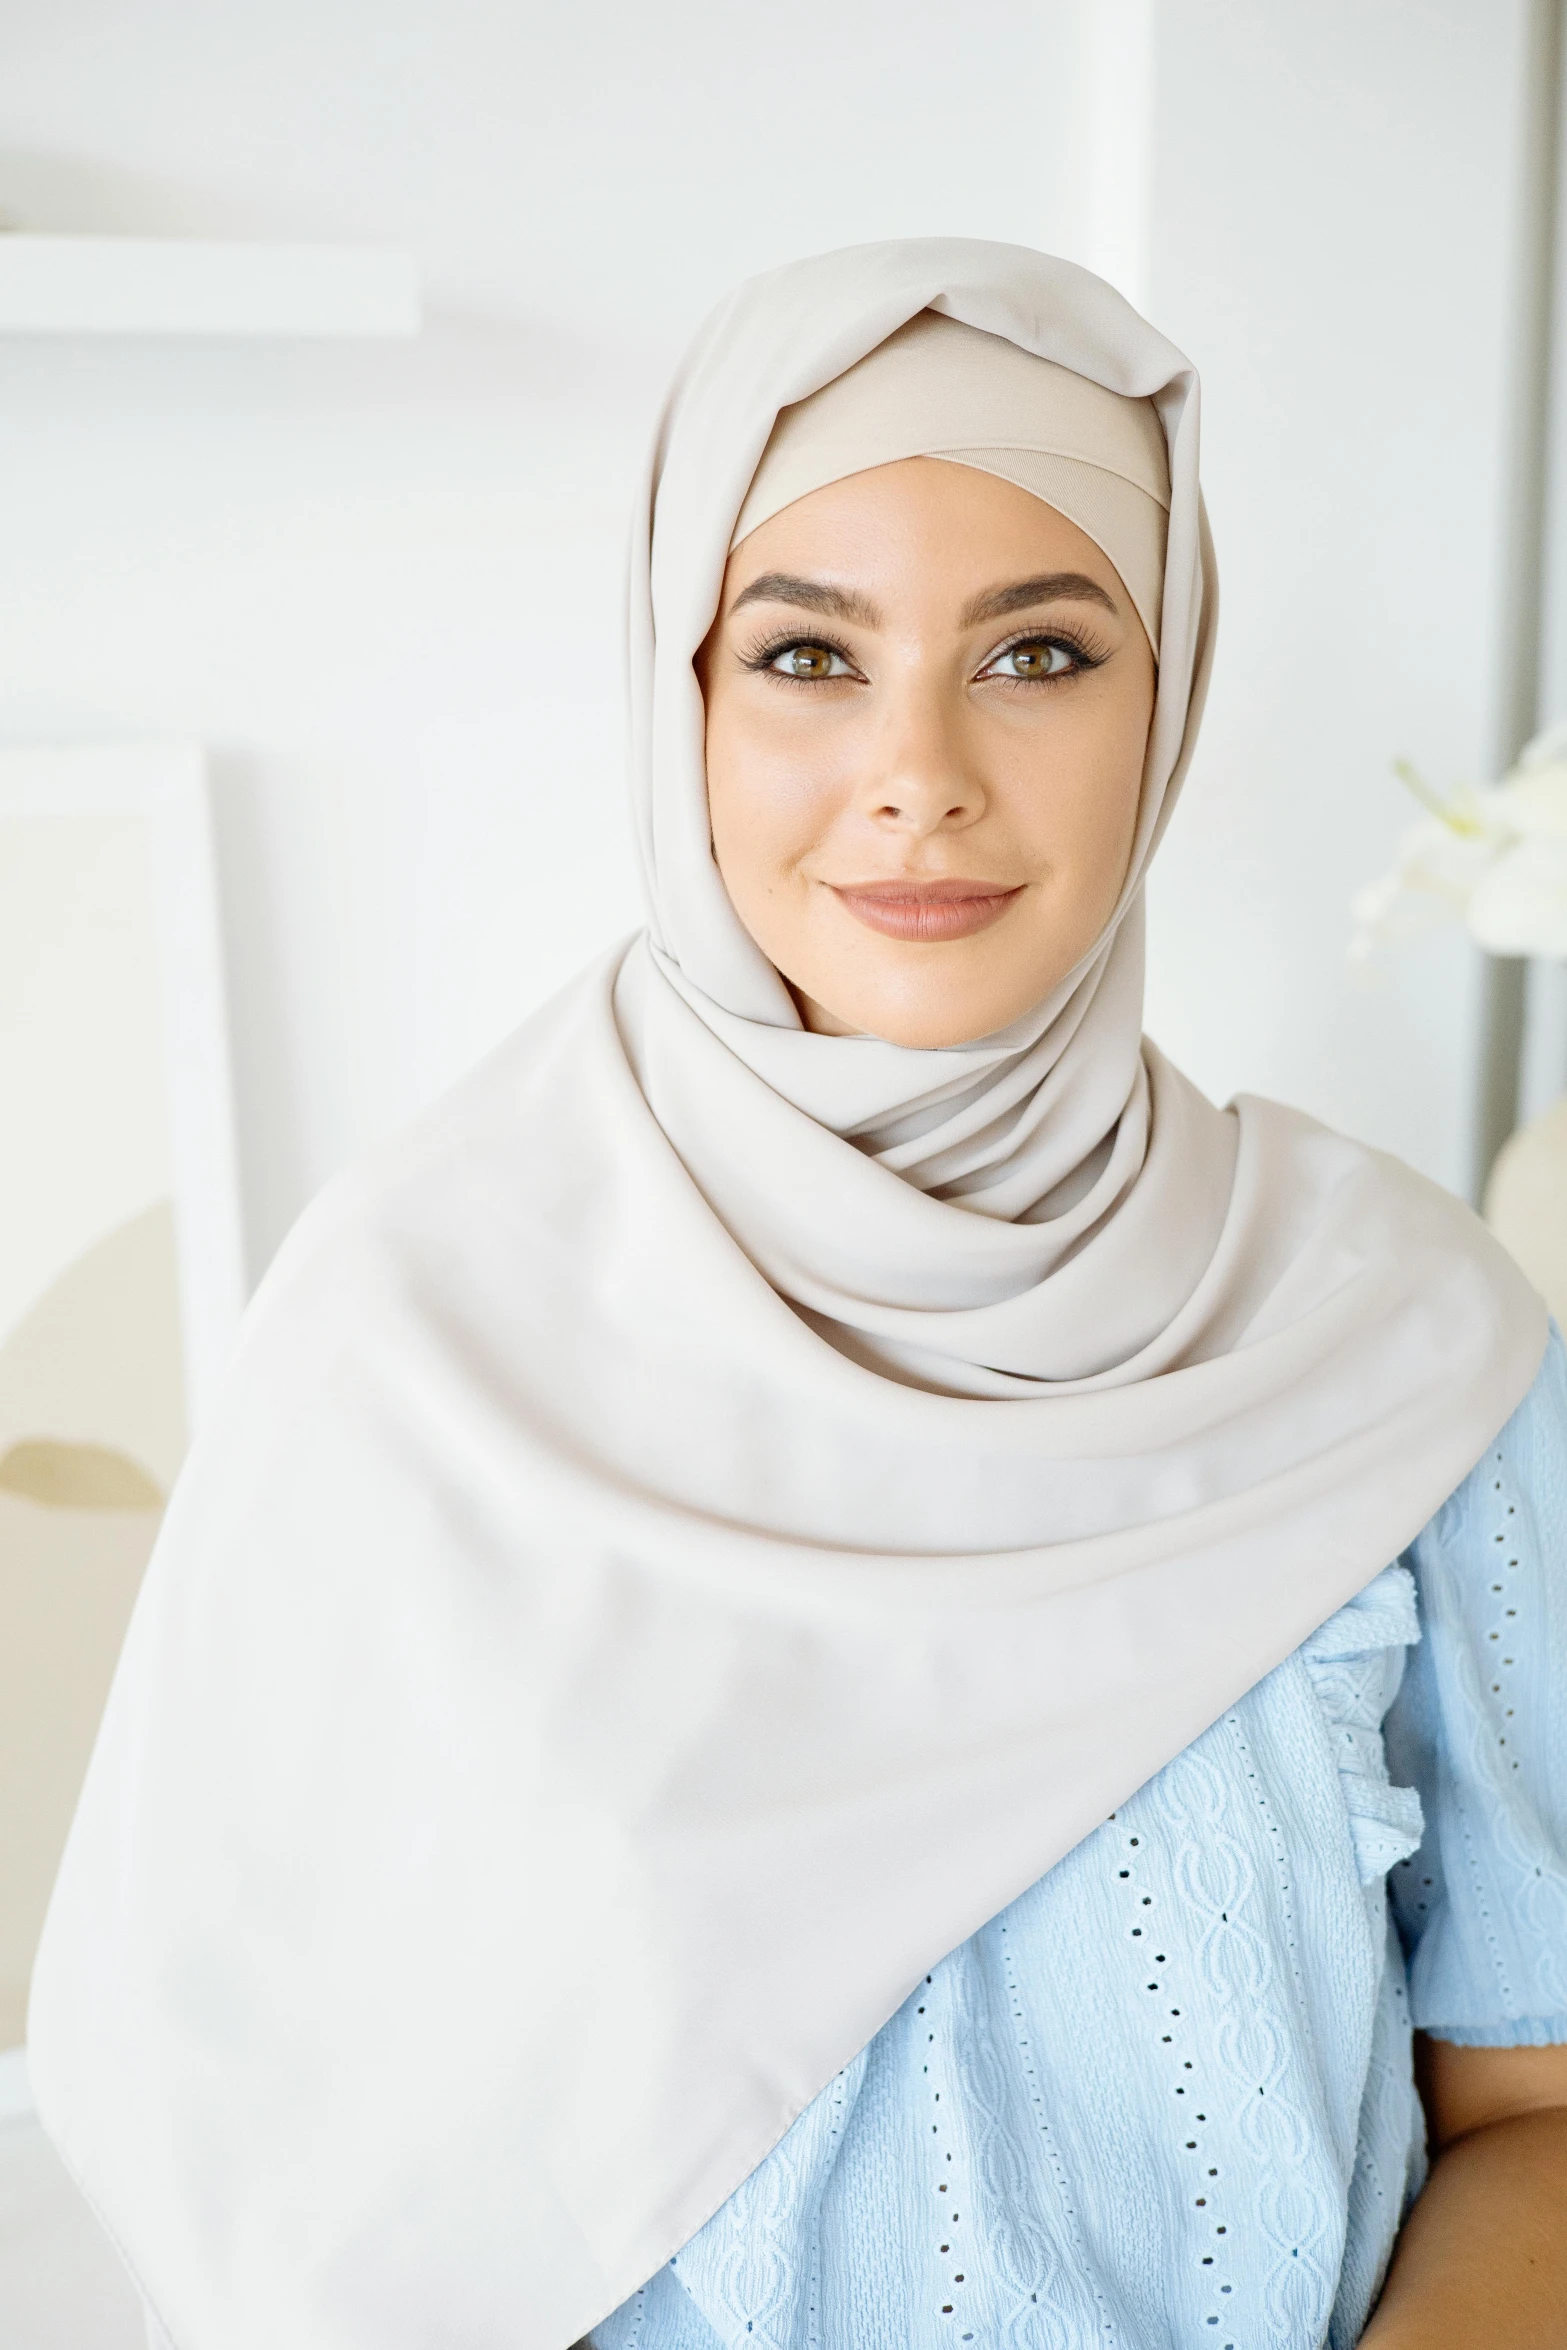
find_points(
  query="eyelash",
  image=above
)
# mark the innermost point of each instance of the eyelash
(762, 656)
(1084, 653)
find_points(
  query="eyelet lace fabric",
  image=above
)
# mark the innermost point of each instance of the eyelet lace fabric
(1165, 2100)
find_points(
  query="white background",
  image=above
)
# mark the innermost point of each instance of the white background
(384, 581)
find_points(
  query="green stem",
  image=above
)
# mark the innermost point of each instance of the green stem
(1413, 781)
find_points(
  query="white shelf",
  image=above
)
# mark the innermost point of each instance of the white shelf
(170, 286)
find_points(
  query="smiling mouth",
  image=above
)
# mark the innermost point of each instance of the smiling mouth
(925, 910)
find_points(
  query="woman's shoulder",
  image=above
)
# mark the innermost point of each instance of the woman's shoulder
(478, 1147)
(1492, 1551)
(1526, 1460)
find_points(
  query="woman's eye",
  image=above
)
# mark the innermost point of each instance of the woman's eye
(809, 661)
(1035, 657)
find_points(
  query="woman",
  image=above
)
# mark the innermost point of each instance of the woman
(762, 1719)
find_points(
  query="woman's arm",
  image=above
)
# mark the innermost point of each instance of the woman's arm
(1481, 2263)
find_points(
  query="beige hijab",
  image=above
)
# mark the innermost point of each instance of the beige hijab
(702, 1522)
(940, 389)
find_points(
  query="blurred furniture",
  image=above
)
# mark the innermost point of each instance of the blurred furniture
(61, 2283)
(1526, 1204)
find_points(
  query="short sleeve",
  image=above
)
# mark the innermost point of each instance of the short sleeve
(1479, 1728)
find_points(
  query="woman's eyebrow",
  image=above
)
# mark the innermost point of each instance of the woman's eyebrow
(1049, 587)
(814, 595)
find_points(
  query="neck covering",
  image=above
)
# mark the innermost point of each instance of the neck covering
(940, 389)
(704, 1520)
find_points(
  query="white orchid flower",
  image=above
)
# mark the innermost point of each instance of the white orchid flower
(1519, 907)
(1496, 860)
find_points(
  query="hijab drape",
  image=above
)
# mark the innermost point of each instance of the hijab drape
(704, 1520)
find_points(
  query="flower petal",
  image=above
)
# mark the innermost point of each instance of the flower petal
(1520, 906)
(1532, 800)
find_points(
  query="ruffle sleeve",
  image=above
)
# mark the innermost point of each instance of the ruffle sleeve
(1356, 1663)
(1479, 1729)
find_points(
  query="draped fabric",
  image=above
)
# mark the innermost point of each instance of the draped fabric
(706, 1518)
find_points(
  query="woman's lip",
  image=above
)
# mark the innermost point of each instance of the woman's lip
(928, 910)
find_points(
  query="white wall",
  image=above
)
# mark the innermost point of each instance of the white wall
(1544, 1071)
(384, 583)
(1334, 214)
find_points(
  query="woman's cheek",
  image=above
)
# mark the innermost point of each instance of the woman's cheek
(791, 800)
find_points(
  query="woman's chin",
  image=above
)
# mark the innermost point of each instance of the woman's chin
(941, 1017)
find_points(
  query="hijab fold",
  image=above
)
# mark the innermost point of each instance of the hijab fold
(706, 1518)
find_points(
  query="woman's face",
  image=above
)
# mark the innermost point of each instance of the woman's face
(928, 696)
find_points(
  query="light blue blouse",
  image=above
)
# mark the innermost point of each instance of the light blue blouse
(1165, 2100)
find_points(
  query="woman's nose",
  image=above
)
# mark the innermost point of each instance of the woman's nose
(921, 781)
